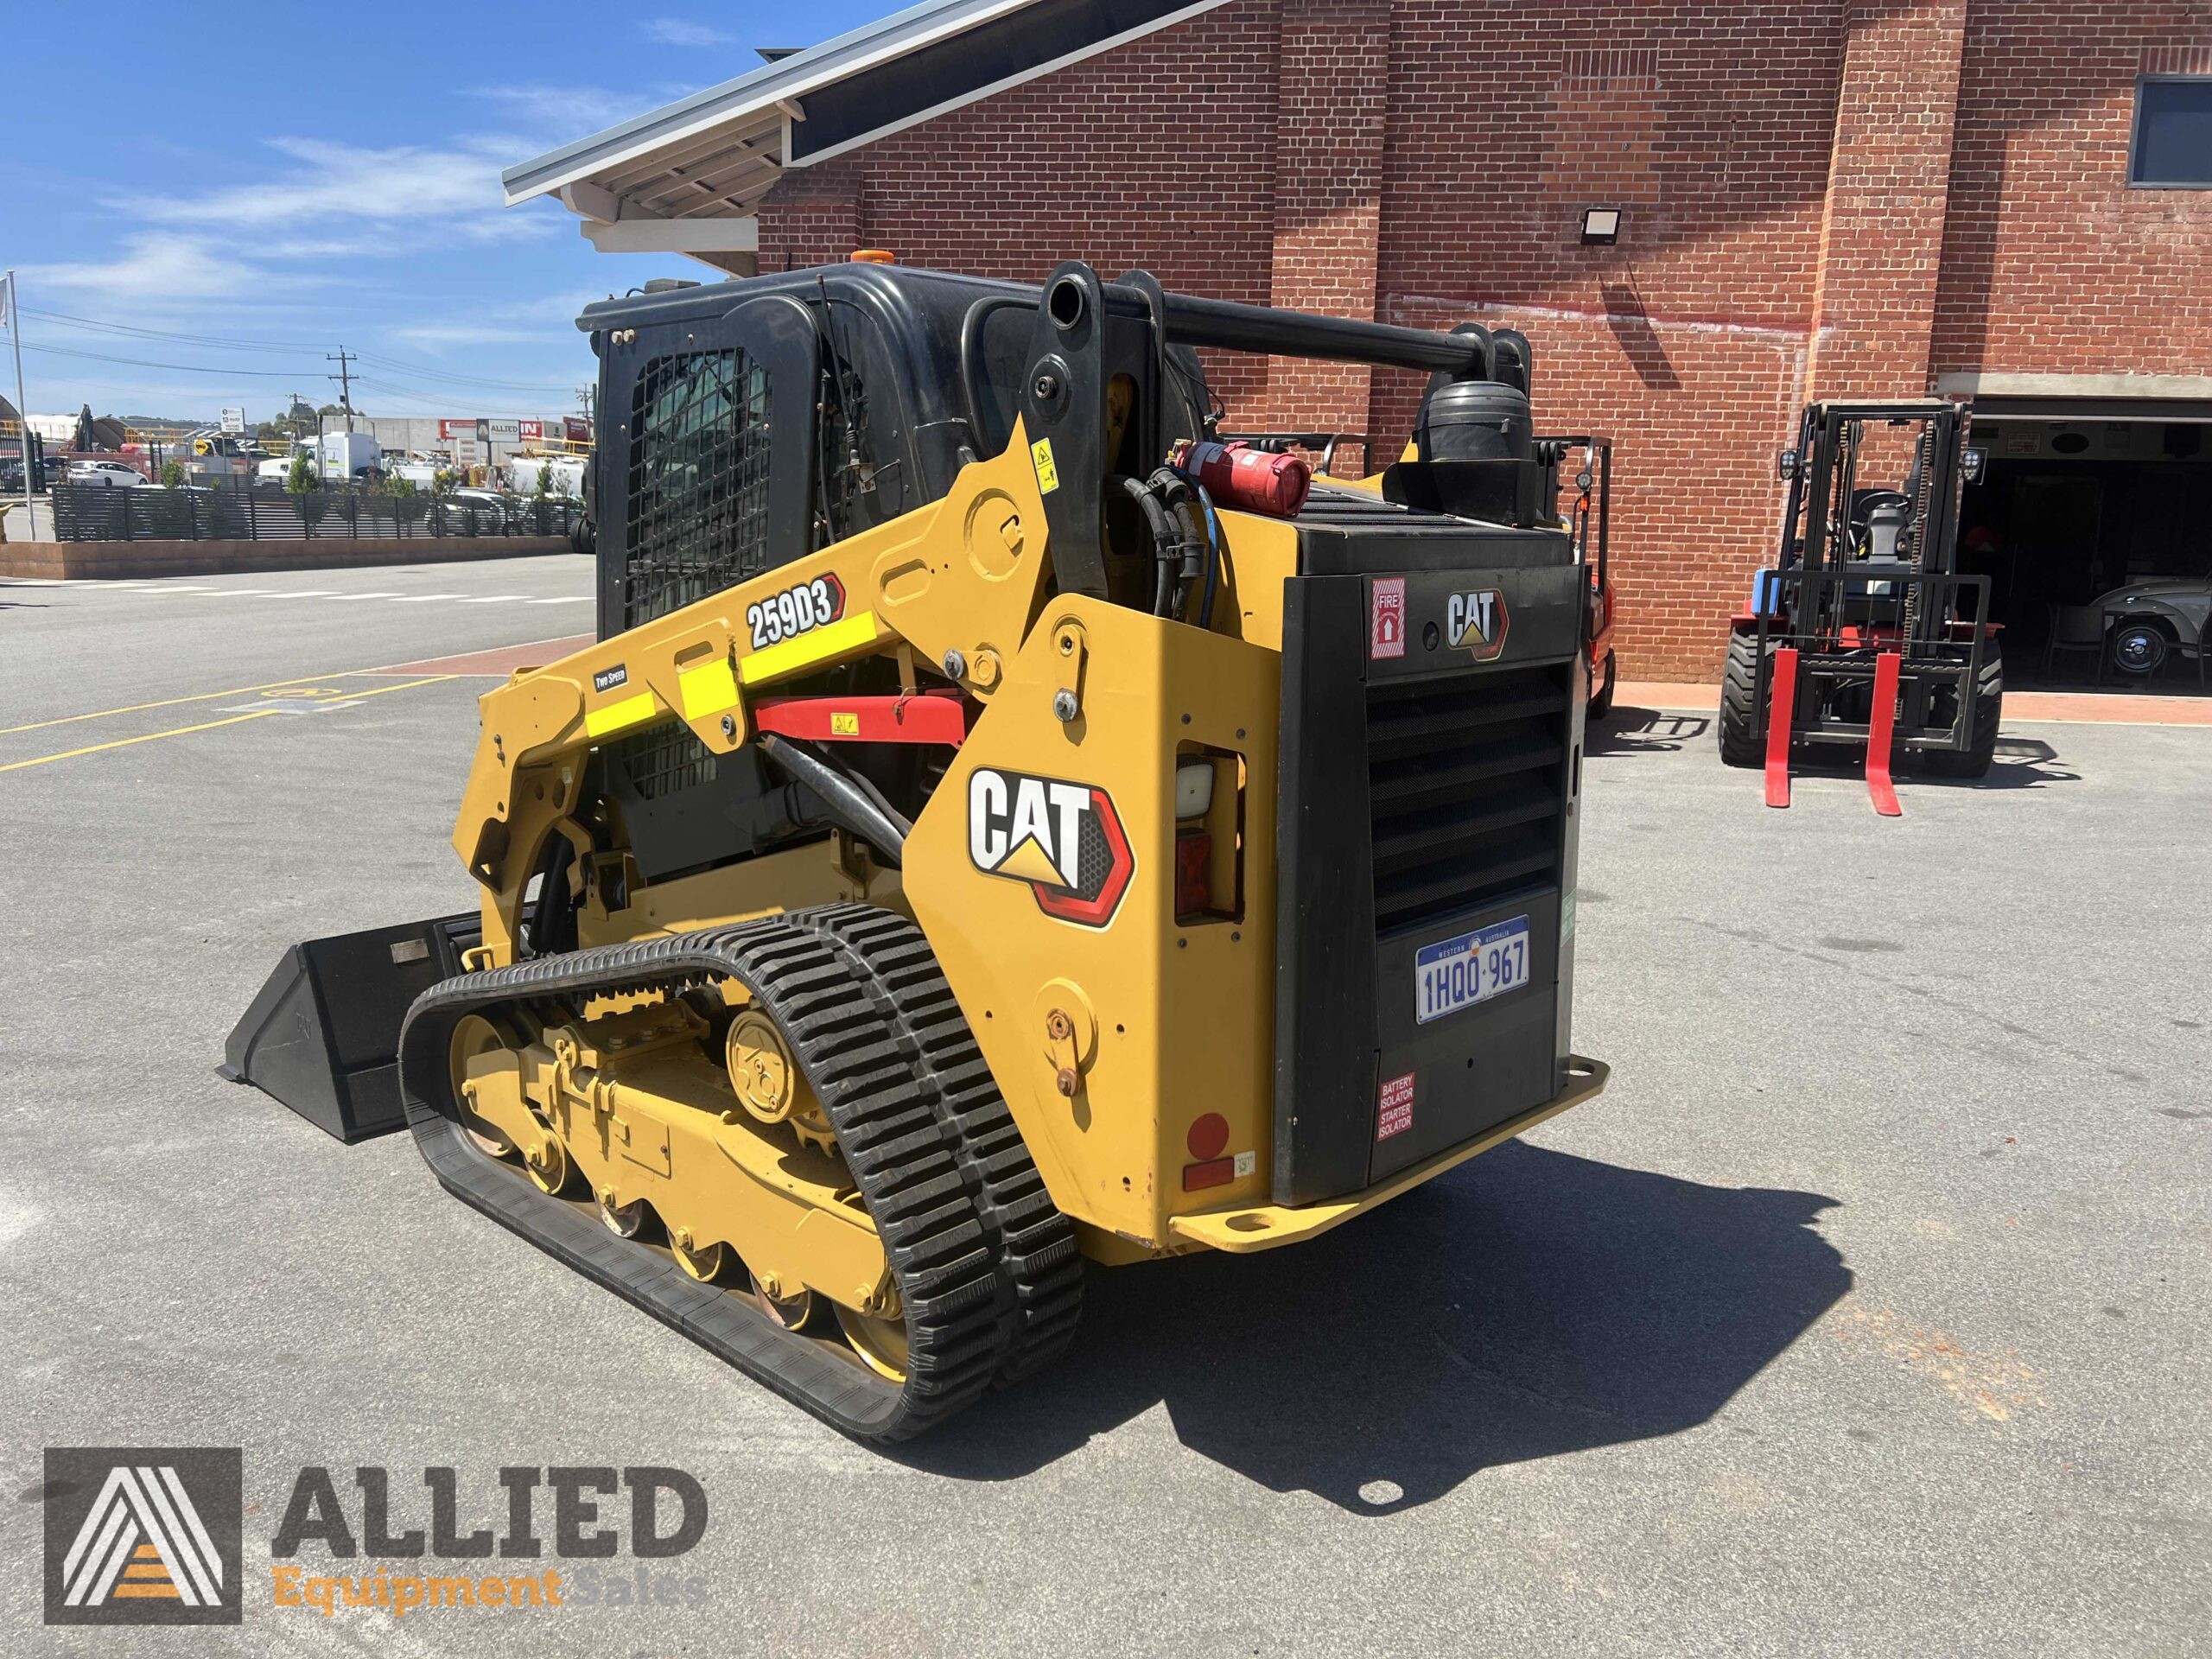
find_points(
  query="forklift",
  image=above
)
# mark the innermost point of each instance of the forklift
(1863, 632)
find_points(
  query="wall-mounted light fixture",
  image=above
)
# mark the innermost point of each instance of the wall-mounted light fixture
(1601, 227)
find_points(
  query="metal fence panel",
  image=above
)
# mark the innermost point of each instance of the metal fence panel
(243, 511)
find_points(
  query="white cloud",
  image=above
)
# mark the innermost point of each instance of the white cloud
(159, 266)
(408, 183)
(564, 109)
(681, 31)
(550, 318)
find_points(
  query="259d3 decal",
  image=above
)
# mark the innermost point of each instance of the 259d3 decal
(795, 611)
(1065, 839)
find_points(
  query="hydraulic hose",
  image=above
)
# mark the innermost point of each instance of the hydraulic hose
(1166, 542)
(853, 804)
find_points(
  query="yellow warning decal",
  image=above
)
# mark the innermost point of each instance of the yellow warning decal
(598, 722)
(1048, 474)
(709, 689)
(844, 725)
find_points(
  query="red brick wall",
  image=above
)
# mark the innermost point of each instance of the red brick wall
(1840, 190)
(2051, 264)
(1332, 105)
(1874, 308)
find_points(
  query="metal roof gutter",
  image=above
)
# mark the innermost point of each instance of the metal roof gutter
(784, 82)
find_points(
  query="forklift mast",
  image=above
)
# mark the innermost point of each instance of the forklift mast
(1874, 556)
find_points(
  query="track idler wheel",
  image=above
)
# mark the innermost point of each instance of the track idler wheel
(879, 1338)
(473, 1036)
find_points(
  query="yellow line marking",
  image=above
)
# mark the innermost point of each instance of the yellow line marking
(206, 726)
(125, 743)
(236, 691)
(167, 703)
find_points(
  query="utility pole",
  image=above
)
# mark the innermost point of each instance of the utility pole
(344, 359)
(12, 315)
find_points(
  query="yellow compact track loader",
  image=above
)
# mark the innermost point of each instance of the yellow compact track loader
(977, 843)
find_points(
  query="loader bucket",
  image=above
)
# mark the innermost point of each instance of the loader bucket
(323, 1034)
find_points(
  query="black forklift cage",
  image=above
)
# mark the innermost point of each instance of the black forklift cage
(1807, 601)
(1600, 462)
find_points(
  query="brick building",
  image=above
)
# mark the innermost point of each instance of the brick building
(2010, 199)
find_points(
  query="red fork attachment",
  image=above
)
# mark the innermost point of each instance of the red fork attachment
(1781, 707)
(1880, 726)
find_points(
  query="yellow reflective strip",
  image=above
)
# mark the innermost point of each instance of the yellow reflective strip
(598, 722)
(709, 689)
(853, 633)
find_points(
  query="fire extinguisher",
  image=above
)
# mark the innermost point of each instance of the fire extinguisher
(1237, 475)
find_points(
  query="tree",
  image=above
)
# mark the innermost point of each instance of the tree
(305, 486)
(406, 503)
(172, 474)
(545, 481)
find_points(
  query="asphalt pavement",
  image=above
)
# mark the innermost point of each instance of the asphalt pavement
(1868, 1311)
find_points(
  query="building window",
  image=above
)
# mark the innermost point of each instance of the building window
(2173, 134)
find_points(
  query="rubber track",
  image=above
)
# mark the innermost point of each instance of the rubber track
(873, 1029)
(1034, 1241)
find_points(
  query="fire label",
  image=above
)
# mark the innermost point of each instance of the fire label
(1387, 621)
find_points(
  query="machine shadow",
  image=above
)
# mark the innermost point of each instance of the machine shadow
(2020, 763)
(1642, 731)
(1529, 1304)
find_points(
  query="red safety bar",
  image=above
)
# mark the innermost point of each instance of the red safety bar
(1880, 725)
(1781, 707)
(914, 717)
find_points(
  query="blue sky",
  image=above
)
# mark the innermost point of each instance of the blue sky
(287, 178)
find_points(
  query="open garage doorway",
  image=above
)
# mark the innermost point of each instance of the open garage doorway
(2095, 527)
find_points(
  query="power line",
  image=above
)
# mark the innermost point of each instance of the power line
(232, 343)
(440, 374)
(137, 332)
(177, 368)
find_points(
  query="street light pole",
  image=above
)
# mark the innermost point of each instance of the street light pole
(22, 409)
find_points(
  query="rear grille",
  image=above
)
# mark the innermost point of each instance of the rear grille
(1465, 789)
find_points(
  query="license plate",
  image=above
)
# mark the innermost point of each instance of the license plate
(1455, 973)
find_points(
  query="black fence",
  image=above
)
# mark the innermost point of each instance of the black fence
(246, 511)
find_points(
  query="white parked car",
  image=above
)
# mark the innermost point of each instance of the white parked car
(112, 474)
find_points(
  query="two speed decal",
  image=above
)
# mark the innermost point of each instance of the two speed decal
(1064, 839)
(795, 611)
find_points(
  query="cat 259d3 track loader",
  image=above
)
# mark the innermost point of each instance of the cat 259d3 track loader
(975, 844)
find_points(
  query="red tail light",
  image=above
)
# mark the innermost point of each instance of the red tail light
(1193, 853)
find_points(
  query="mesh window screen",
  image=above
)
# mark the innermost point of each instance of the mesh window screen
(698, 480)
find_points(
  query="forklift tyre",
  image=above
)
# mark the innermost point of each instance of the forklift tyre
(1988, 710)
(1739, 688)
(1601, 701)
